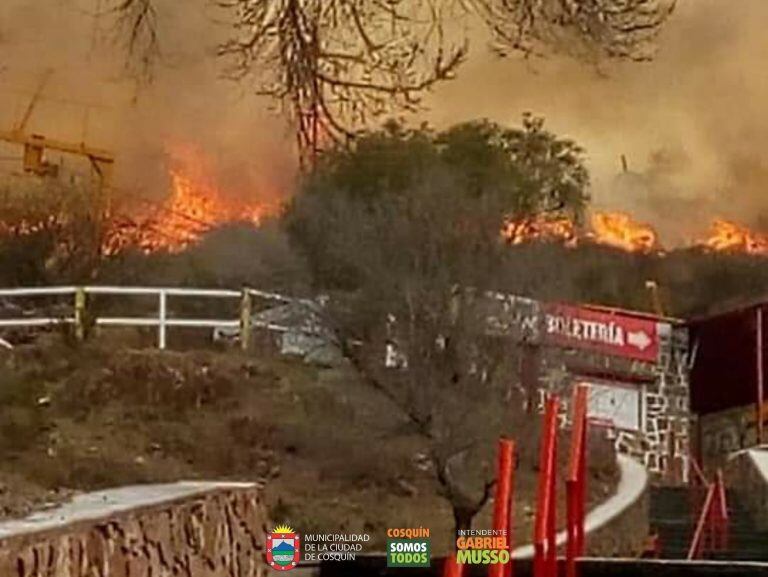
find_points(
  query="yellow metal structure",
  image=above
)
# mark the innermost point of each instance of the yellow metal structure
(102, 161)
(35, 145)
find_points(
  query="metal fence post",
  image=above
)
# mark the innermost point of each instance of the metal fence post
(163, 312)
(452, 568)
(503, 501)
(80, 313)
(544, 540)
(246, 306)
(576, 480)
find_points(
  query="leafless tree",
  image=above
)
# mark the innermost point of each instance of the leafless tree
(425, 260)
(135, 25)
(625, 29)
(334, 65)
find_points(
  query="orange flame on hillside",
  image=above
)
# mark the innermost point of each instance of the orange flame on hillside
(727, 236)
(620, 230)
(195, 206)
(616, 229)
(559, 229)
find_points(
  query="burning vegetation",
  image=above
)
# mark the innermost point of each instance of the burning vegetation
(530, 170)
(621, 231)
(728, 236)
(196, 205)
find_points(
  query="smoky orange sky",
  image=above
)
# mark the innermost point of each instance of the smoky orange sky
(692, 124)
(90, 96)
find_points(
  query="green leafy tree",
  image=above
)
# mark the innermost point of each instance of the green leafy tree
(536, 171)
(520, 172)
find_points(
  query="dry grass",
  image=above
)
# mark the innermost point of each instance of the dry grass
(333, 454)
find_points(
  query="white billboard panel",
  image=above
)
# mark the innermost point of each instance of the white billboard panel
(614, 405)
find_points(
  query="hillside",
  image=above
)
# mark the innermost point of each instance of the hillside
(331, 453)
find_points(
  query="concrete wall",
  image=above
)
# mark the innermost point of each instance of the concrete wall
(747, 474)
(183, 529)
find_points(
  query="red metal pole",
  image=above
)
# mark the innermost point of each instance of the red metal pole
(451, 568)
(571, 514)
(576, 481)
(501, 504)
(759, 355)
(545, 549)
(552, 510)
(582, 491)
(701, 526)
(511, 515)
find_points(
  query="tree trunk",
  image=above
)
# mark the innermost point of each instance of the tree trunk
(462, 518)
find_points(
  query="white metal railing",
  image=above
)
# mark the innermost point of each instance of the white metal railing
(162, 321)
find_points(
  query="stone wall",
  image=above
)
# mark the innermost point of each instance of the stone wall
(724, 432)
(184, 529)
(667, 409)
(662, 442)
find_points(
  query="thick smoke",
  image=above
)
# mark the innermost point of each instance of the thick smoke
(691, 124)
(92, 97)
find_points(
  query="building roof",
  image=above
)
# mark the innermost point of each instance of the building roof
(732, 307)
(633, 313)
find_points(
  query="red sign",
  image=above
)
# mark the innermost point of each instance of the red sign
(608, 333)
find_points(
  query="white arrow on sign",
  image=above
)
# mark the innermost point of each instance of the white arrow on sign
(639, 339)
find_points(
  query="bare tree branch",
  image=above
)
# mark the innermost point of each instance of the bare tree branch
(334, 65)
(589, 29)
(135, 24)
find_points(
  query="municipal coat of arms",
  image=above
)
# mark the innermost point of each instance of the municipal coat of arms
(283, 550)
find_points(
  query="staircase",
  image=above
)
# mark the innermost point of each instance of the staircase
(745, 541)
(673, 516)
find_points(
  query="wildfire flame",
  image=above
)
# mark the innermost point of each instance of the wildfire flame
(727, 236)
(616, 229)
(559, 229)
(195, 206)
(619, 230)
